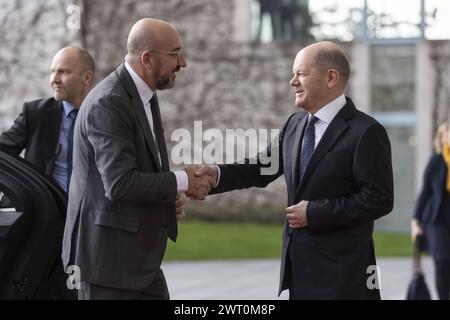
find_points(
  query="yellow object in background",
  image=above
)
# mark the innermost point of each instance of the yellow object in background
(446, 155)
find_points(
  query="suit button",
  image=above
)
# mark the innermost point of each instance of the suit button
(165, 225)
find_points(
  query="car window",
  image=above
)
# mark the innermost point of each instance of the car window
(5, 203)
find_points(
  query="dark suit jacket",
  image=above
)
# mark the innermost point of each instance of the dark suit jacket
(349, 184)
(430, 201)
(121, 201)
(433, 189)
(36, 130)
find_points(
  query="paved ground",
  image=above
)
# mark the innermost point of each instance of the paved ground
(258, 279)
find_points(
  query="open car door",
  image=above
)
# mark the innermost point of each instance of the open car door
(32, 217)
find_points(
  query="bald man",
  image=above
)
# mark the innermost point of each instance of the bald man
(124, 201)
(336, 161)
(43, 128)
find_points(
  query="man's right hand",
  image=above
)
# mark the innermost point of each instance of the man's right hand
(201, 179)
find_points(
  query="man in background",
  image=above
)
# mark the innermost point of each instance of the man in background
(44, 128)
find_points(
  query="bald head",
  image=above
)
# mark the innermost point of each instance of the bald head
(83, 57)
(320, 74)
(327, 55)
(146, 35)
(71, 74)
(155, 53)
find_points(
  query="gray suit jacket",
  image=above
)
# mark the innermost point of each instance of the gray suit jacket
(121, 201)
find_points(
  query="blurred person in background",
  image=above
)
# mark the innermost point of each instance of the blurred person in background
(431, 217)
(44, 128)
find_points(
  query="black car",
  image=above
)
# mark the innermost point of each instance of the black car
(32, 217)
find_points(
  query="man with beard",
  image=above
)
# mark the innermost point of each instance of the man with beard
(124, 201)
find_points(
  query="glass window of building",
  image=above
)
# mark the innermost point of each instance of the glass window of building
(373, 20)
(437, 19)
(392, 95)
(280, 20)
(340, 20)
(386, 20)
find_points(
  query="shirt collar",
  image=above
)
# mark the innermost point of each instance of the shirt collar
(330, 110)
(145, 92)
(68, 107)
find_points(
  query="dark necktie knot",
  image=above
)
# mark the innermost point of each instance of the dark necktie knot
(152, 101)
(312, 120)
(73, 114)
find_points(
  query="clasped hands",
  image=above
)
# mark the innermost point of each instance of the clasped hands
(201, 179)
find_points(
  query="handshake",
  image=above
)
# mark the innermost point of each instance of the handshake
(201, 179)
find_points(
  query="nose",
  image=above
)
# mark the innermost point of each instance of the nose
(294, 81)
(54, 77)
(182, 61)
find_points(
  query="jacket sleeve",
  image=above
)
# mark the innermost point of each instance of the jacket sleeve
(14, 140)
(256, 172)
(109, 131)
(374, 195)
(426, 191)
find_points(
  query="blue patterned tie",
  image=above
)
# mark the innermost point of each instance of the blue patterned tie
(73, 116)
(308, 145)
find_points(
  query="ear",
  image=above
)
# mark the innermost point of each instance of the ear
(88, 77)
(333, 78)
(147, 60)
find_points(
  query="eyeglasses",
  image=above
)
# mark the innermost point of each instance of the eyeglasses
(180, 52)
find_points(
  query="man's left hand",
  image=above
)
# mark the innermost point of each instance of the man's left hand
(296, 215)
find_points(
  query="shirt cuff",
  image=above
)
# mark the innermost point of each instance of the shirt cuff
(218, 176)
(182, 180)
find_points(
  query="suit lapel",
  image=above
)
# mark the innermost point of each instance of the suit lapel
(136, 103)
(331, 135)
(54, 116)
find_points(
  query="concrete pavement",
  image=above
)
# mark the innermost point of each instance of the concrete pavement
(258, 279)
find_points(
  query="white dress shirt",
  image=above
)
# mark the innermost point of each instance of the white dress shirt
(146, 93)
(325, 115)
